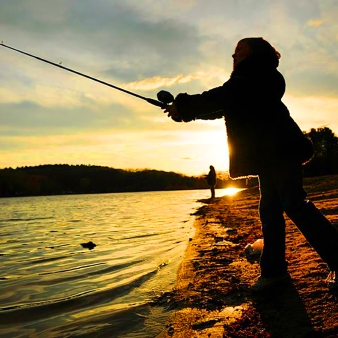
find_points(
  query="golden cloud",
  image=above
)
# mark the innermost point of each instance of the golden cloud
(315, 23)
(160, 82)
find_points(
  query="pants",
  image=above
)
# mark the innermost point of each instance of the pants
(212, 190)
(281, 190)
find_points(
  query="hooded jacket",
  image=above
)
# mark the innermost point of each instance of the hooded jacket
(260, 130)
(211, 177)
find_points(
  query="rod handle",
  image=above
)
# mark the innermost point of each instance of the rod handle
(156, 103)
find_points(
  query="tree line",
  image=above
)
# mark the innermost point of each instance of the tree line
(89, 179)
(79, 179)
(325, 159)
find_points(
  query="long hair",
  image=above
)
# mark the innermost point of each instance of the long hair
(263, 50)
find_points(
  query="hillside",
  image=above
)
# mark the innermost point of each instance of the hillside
(84, 179)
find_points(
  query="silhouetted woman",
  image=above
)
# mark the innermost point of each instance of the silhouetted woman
(264, 140)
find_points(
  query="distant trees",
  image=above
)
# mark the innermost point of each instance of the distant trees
(68, 179)
(325, 160)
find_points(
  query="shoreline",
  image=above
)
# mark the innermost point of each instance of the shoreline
(212, 296)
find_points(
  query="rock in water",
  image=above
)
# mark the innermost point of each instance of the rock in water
(90, 245)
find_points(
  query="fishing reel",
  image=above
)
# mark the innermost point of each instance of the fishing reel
(165, 97)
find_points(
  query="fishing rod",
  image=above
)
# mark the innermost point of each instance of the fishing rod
(164, 97)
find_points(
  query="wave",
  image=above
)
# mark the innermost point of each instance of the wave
(50, 284)
(32, 311)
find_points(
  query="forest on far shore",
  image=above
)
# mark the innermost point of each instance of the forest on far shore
(60, 179)
(88, 179)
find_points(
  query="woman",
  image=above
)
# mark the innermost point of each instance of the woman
(265, 141)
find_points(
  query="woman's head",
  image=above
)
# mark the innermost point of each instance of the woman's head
(257, 47)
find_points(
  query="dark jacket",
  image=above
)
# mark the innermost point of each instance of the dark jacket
(259, 127)
(211, 177)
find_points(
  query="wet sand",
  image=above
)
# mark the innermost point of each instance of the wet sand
(212, 297)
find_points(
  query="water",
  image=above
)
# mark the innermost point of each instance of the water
(51, 286)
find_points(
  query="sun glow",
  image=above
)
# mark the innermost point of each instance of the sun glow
(231, 191)
(209, 147)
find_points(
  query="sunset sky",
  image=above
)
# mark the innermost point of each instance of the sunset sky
(50, 116)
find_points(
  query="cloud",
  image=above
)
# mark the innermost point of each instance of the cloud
(315, 23)
(29, 118)
(113, 37)
(187, 159)
(314, 111)
(313, 82)
(164, 82)
(157, 82)
(145, 46)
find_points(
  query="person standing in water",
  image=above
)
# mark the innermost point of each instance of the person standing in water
(265, 141)
(211, 180)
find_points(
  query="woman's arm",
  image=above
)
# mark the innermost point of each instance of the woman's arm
(209, 105)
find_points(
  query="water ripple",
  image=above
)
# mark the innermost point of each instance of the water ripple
(48, 280)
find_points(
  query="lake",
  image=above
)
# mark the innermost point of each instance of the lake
(52, 286)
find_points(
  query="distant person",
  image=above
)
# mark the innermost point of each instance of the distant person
(211, 180)
(265, 141)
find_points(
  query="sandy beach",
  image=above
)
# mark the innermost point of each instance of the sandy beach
(212, 297)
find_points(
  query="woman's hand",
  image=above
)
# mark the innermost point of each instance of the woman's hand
(172, 112)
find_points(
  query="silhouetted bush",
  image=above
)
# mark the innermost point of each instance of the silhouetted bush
(325, 160)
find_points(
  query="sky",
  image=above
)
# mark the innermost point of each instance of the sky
(50, 116)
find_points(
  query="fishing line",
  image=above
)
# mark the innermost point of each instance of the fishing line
(162, 104)
(164, 97)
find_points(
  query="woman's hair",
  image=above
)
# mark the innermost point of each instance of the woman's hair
(263, 49)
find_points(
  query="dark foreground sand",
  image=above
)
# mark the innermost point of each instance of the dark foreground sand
(212, 297)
